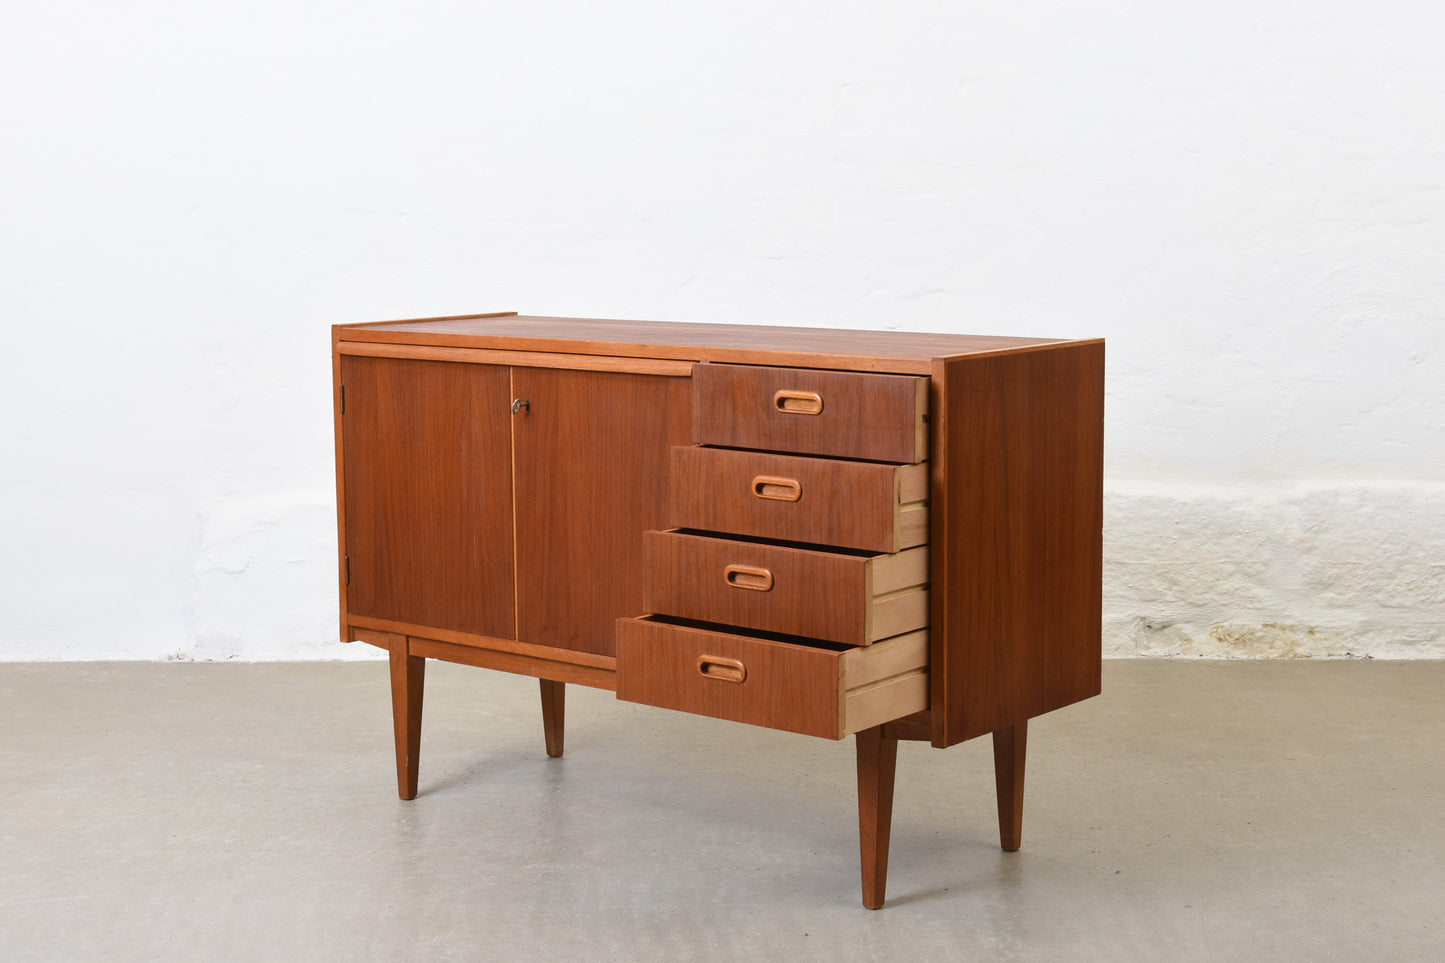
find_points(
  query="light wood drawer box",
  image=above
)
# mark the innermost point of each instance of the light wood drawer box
(853, 504)
(848, 597)
(844, 414)
(813, 690)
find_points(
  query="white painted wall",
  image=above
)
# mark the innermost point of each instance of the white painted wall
(1246, 199)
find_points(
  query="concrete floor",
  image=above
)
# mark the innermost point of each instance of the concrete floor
(1195, 811)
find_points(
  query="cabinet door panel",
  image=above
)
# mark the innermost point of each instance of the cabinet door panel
(591, 452)
(426, 447)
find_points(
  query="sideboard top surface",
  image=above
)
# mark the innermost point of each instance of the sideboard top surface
(901, 351)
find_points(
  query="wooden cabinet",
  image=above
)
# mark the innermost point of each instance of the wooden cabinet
(826, 532)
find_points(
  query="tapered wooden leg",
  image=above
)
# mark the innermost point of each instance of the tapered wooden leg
(554, 704)
(877, 762)
(1008, 774)
(407, 675)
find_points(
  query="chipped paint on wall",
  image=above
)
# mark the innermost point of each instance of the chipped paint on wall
(1276, 573)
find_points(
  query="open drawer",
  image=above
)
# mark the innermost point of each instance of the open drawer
(862, 505)
(813, 688)
(855, 598)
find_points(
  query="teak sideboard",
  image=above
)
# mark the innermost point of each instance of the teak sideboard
(880, 534)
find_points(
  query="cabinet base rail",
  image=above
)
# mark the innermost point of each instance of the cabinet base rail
(877, 748)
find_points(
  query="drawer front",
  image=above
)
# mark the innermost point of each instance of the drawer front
(839, 413)
(811, 690)
(861, 505)
(847, 598)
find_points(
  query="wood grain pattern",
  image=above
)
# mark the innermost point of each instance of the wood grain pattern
(877, 764)
(1010, 746)
(890, 615)
(884, 682)
(866, 416)
(882, 703)
(554, 715)
(428, 493)
(865, 668)
(814, 593)
(851, 504)
(374, 637)
(1017, 548)
(558, 670)
(591, 477)
(408, 677)
(851, 350)
(529, 359)
(783, 685)
(362, 626)
(789, 687)
(917, 727)
(445, 317)
(341, 573)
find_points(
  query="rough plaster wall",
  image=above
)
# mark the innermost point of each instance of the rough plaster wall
(1247, 200)
(1289, 572)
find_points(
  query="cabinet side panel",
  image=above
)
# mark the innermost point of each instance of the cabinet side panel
(1017, 536)
(428, 490)
(345, 630)
(591, 477)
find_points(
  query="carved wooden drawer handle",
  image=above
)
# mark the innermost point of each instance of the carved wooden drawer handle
(798, 402)
(724, 670)
(778, 489)
(747, 577)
